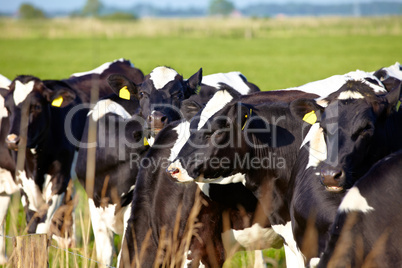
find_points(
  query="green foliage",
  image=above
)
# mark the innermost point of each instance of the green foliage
(221, 7)
(28, 11)
(119, 16)
(92, 8)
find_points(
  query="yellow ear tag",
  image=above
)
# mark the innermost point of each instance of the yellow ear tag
(310, 118)
(57, 101)
(124, 93)
(246, 116)
(398, 104)
(146, 142)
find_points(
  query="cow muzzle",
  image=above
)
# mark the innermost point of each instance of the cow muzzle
(12, 141)
(157, 120)
(176, 171)
(332, 178)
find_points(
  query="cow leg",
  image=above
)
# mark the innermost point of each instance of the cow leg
(259, 261)
(126, 217)
(294, 257)
(53, 204)
(5, 202)
(103, 234)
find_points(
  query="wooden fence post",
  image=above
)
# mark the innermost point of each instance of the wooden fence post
(30, 251)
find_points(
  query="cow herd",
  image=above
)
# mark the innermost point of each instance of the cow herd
(191, 170)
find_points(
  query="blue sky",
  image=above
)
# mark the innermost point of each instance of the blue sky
(51, 5)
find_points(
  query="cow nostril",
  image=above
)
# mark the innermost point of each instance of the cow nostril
(164, 119)
(337, 175)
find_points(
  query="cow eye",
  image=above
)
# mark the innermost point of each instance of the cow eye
(141, 94)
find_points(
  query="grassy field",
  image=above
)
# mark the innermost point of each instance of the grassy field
(272, 53)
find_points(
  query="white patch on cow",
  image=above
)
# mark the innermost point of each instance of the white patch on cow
(329, 85)
(354, 201)
(106, 106)
(394, 70)
(3, 110)
(5, 202)
(204, 187)
(238, 177)
(294, 257)
(162, 75)
(217, 102)
(101, 219)
(346, 95)
(4, 82)
(317, 146)
(57, 200)
(314, 262)
(7, 184)
(47, 188)
(31, 190)
(183, 133)
(151, 141)
(252, 238)
(21, 91)
(232, 79)
(98, 70)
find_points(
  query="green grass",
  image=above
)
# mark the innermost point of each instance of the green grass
(271, 53)
(270, 63)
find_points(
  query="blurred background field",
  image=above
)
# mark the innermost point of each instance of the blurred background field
(273, 53)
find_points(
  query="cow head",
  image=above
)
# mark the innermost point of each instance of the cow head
(390, 77)
(352, 124)
(31, 100)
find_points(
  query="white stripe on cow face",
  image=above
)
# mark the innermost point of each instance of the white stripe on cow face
(345, 95)
(216, 103)
(106, 106)
(21, 91)
(354, 201)
(183, 133)
(97, 70)
(317, 146)
(57, 200)
(162, 75)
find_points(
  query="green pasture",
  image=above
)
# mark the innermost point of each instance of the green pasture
(271, 53)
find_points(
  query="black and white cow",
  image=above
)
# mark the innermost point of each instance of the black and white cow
(39, 109)
(154, 187)
(366, 231)
(7, 165)
(119, 138)
(283, 227)
(52, 135)
(355, 129)
(257, 138)
(114, 159)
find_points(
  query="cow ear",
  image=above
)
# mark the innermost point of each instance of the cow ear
(123, 87)
(393, 99)
(190, 108)
(193, 84)
(307, 110)
(245, 112)
(59, 98)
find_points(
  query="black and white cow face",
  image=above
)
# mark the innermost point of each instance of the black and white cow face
(162, 93)
(32, 99)
(222, 150)
(352, 125)
(390, 77)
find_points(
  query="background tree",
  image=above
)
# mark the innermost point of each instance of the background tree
(92, 8)
(28, 11)
(221, 7)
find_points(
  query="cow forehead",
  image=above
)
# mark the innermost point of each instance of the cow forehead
(216, 103)
(162, 75)
(21, 91)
